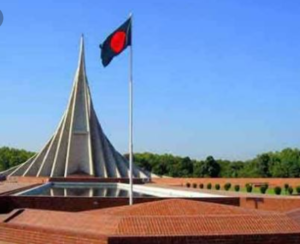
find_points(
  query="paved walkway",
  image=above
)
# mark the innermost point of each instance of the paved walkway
(6, 186)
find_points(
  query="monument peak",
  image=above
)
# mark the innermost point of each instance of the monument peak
(79, 145)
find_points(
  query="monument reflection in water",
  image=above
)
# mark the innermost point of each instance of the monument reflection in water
(82, 190)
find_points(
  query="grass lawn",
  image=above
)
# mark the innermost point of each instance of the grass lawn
(270, 191)
(256, 190)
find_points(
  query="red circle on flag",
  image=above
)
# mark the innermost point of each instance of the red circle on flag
(117, 41)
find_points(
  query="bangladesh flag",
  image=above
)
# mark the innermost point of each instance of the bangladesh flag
(116, 42)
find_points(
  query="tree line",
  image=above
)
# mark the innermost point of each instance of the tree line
(10, 157)
(285, 163)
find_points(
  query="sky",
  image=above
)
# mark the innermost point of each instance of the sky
(214, 77)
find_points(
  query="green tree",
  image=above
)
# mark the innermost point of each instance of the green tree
(210, 167)
(10, 157)
(263, 162)
(285, 163)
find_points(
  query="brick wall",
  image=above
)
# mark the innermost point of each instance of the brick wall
(166, 181)
(95, 179)
(20, 235)
(234, 239)
(75, 204)
(270, 203)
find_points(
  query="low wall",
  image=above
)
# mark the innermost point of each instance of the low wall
(75, 204)
(221, 239)
(164, 181)
(95, 179)
(278, 204)
(23, 234)
(240, 181)
(40, 180)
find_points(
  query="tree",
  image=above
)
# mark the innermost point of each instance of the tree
(263, 165)
(187, 166)
(10, 157)
(160, 169)
(210, 167)
(250, 170)
(198, 172)
(236, 167)
(285, 163)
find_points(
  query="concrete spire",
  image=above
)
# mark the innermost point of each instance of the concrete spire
(79, 146)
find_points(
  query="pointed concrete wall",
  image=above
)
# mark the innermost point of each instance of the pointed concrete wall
(79, 145)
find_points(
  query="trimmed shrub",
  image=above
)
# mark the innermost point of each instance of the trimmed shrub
(201, 185)
(286, 187)
(249, 188)
(277, 190)
(263, 189)
(298, 189)
(188, 184)
(227, 186)
(290, 190)
(209, 186)
(237, 188)
(217, 186)
(194, 185)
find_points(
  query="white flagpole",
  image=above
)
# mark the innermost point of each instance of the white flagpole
(130, 120)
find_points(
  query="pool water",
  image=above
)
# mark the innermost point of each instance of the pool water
(81, 190)
(84, 189)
